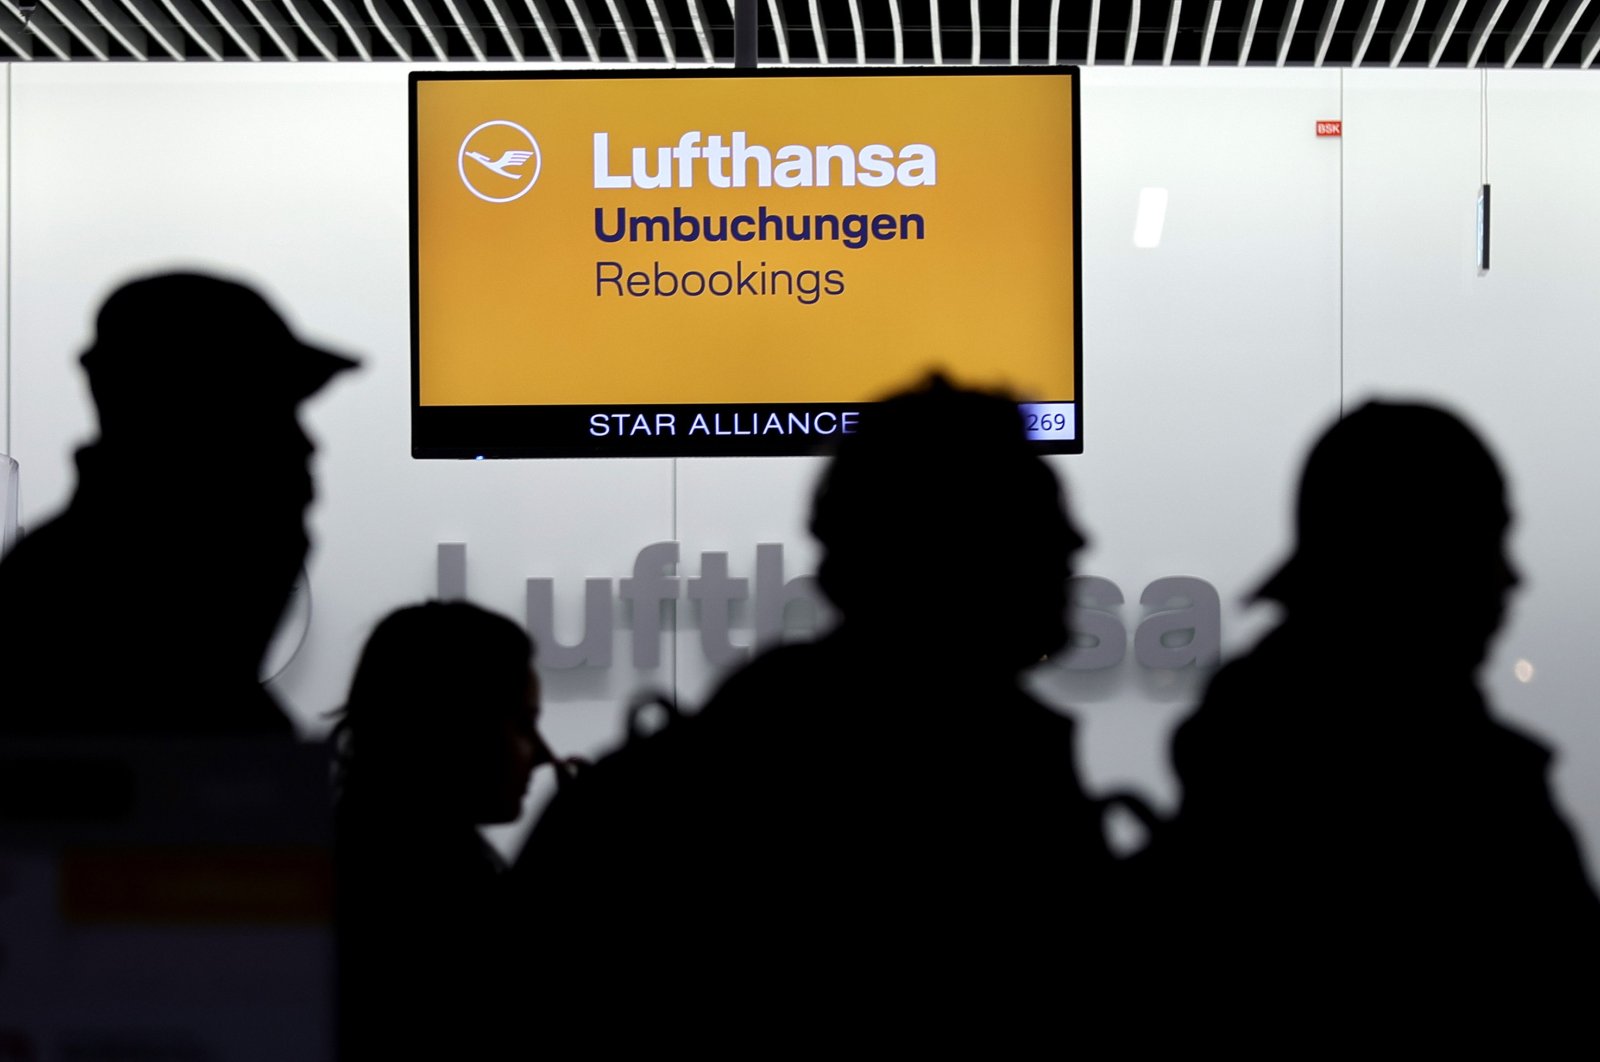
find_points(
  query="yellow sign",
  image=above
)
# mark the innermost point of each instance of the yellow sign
(675, 240)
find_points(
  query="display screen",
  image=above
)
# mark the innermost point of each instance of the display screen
(736, 264)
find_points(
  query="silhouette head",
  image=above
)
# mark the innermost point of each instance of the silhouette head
(944, 532)
(1401, 527)
(161, 340)
(442, 714)
(202, 374)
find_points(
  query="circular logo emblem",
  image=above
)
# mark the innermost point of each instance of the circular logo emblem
(499, 161)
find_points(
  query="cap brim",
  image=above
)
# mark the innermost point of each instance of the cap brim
(1280, 585)
(317, 367)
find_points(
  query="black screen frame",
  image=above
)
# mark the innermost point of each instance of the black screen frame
(560, 431)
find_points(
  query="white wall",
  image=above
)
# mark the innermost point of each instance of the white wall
(1209, 362)
(5, 238)
(1513, 350)
(1294, 273)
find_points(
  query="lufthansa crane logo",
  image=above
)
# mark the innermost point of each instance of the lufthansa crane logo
(499, 161)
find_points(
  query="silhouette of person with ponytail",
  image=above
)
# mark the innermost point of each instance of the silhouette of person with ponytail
(438, 737)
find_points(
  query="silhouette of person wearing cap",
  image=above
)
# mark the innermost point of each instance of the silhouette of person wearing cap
(181, 544)
(1354, 818)
(883, 807)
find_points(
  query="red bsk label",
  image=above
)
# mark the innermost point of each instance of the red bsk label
(1330, 128)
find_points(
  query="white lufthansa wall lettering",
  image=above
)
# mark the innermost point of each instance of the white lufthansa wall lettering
(1182, 627)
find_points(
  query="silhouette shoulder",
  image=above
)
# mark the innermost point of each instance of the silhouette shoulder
(786, 672)
(1237, 703)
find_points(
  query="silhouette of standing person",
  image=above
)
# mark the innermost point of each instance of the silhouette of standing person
(1354, 818)
(884, 808)
(438, 737)
(183, 538)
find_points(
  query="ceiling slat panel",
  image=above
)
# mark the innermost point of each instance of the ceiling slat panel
(277, 28)
(702, 30)
(1442, 32)
(15, 32)
(1590, 47)
(82, 25)
(506, 23)
(132, 38)
(1565, 23)
(318, 30)
(586, 29)
(16, 36)
(1522, 32)
(623, 21)
(549, 32)
(1480, 33)
(1211, 32)
(1366, 32)
(1330, 22)
(1291, 22)
(199, 28)
(1248, 35)
(1406, 30)
(819, 31)
(669, 47)
(471, 32)
(428, 24)
(779, 30)
(45, 28)
(390, 27)
(350, 24)
(235, 25)
(1387, 32)
(159, 25)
